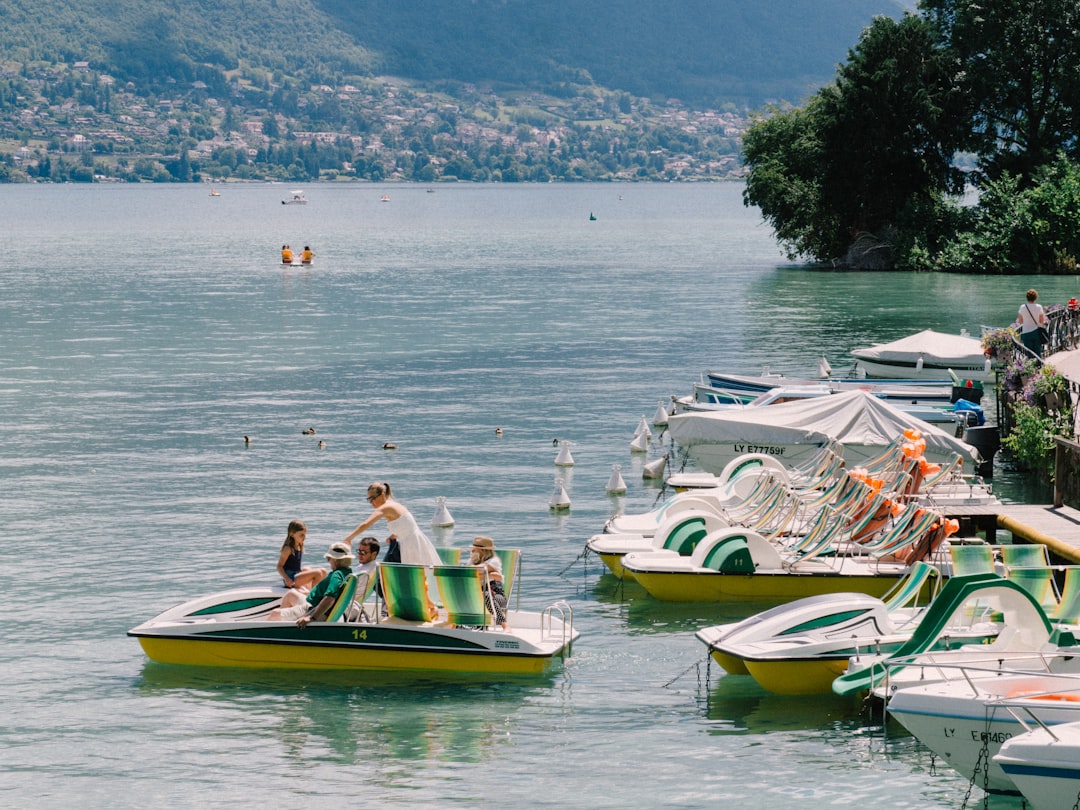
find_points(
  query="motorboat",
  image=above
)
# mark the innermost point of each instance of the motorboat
(793, 431)
(1042, 763)
(936, 412)
(231, 629)
(967, 718)
(937, 390)
(297, 198)
(927, 354)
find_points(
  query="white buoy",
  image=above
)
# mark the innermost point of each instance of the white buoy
(643, 429)
(655, 469)
(559, 499)
(615, 484)
(986, 366)
(442, 518)
(661, 416)
(564, 459)
(919, 364)
(640, 444)
(824, 370)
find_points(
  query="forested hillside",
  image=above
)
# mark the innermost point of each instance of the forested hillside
(511, 90)
(703, 52)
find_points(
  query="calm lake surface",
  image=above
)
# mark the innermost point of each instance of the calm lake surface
(145, 330)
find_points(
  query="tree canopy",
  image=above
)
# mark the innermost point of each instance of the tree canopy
(870, 172)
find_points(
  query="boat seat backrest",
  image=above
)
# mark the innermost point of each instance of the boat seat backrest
(509, 557)
(1024, 555)
(344, 599)
(910, 588)
(511, 567)
(461, 589)
(1068, 609)
(449, 556)
(405, 591)
(1039, 582)
(365, 584)
(971, 559)
(950, 469)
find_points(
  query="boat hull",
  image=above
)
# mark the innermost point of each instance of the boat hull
(613, 560)
(733, 665)
(1044, 765)
(231, 629)
(907, 370)
(967, 730)
(797, 677)
(783, 586)
(345, 654)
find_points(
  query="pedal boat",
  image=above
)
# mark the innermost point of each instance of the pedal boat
(802, 647)
(230, 629)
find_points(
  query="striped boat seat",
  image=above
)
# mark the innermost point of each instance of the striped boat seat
(405, 591)
(461, 590)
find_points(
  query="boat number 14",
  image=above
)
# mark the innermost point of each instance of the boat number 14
(359, 635)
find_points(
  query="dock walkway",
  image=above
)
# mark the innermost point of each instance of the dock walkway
(1056, 528)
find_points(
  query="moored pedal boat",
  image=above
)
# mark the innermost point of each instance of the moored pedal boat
(801, 647)
(230, 629)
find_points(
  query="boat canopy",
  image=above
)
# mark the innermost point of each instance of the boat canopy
(937, 349)
(852, 418)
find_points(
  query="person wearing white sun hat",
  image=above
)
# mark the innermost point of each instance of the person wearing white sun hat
(294, 606)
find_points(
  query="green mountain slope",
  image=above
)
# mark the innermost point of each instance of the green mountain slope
(704, 52)
(701, 51)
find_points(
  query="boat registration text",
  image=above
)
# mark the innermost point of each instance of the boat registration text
(758, 448)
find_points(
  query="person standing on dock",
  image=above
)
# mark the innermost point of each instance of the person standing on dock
(1031, 319)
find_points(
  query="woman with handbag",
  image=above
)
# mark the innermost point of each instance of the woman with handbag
(1032, 321)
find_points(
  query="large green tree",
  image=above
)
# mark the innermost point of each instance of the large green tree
(866, 151)
(1019, 63)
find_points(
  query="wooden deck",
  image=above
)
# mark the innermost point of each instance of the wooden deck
(1056, 528)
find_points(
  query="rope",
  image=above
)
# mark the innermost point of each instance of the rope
(583, 555)
(696, 665)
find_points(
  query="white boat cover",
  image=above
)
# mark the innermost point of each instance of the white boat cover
(936, 348)
(852, 418)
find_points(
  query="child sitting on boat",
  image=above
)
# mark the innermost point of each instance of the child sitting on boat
(290, 561)
(322, 597)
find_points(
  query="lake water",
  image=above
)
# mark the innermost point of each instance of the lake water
(145, 330)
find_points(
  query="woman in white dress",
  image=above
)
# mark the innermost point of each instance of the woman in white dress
(416, 548)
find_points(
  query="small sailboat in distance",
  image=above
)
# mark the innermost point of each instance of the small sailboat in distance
(297, 198)
(214, 192)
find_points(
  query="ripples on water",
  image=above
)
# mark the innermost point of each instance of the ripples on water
(145, 331)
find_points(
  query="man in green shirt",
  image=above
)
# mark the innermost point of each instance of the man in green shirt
(322, 597)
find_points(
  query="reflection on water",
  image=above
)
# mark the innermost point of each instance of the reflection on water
(735, 704)
(353, 718)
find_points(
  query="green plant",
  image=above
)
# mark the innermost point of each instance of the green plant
(1048, 381)
(1032, 438)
